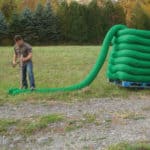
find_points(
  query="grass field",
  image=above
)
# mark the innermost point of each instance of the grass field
(126, 146)
(58, 66)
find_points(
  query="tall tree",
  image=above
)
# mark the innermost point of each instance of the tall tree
(15, 26)
(38, 23)
(77, 21)
(50, 31)
(63, 13)
(8, 7)
(145, 5)
(45, 24)
(73, 21)
(94, 22)
(3, 27)
(128, 6)
(26, 20)
(112, 14)
(140, 19)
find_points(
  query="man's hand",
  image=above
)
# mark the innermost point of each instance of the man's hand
(14, 63)
(23, 59)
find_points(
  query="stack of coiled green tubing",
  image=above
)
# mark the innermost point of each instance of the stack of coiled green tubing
(129, 59)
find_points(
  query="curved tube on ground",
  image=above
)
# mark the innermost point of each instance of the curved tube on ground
(129, 59)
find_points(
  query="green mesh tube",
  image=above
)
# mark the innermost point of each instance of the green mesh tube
(129, 59)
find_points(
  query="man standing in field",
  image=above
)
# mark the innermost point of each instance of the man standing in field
(23, 53)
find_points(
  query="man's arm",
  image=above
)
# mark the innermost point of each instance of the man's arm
(29, 57)
(14, 59)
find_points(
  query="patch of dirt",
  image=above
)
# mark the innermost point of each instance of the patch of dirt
(117, 120)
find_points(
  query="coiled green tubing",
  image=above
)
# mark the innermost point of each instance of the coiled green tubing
(129, 59)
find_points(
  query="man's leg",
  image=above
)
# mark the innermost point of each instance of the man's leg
(31, 75)
(24, 77)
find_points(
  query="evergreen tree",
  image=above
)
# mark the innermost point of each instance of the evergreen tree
(3, 27)
(38, 23)
(73, 22)
(45, 24)
(78, 25)
(82, 23)
(26, 20)
(108, 11)
(63, 14)
(94, 22)
(112, 14)
(50, 30)
(15, 26)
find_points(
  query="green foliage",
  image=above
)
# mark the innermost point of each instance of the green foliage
(64, 20)
(74, 23)
(126, 146)
(49, 28)
(38, 27)
(112, 14)
(22, 24)
(15, 26)
(27, 26)
(29, 126)
(3, 27)
(77, 22)
(6, 124)
(37, 21)
(89, 118)
(94, 22)
(45, 25)
(51, 118)
(88, 23)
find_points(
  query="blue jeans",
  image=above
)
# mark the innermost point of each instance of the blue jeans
(27, 68)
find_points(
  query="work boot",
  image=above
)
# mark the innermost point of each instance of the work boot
(32, 88)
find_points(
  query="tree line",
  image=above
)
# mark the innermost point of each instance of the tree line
(72, 23)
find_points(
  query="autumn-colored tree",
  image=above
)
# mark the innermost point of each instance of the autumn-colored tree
(32, 4)
(140, 19)
(145, 6)
(8, 7)
(3, 27)
(128, 6)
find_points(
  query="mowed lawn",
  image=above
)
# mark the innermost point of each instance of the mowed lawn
(58, 66)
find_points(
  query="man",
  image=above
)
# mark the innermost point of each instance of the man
(23, 52)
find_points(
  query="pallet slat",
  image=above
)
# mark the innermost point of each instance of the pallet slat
(128, 84)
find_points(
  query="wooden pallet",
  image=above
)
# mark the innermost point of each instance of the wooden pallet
(127, 84)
